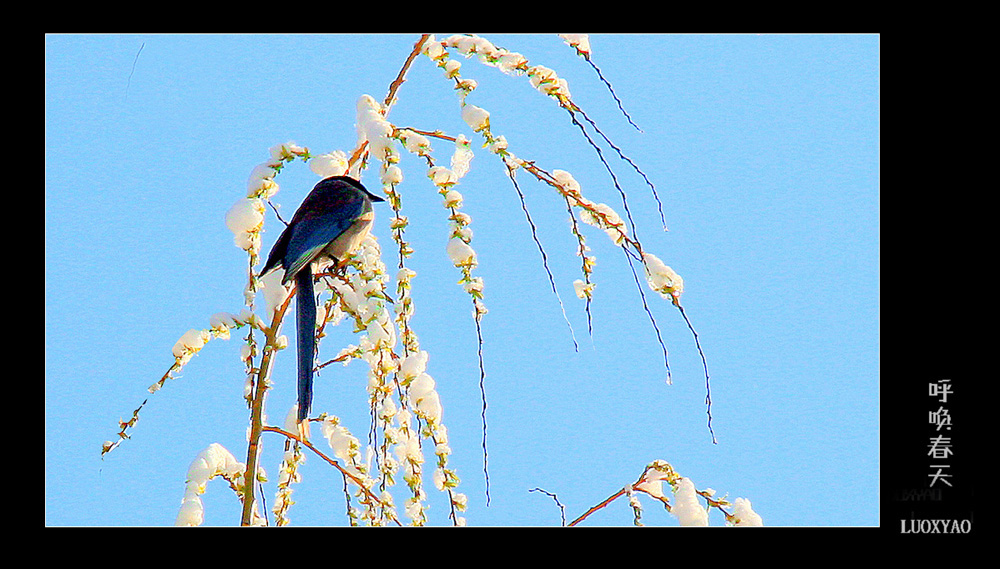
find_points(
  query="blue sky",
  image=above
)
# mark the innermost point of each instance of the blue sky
(764, 150)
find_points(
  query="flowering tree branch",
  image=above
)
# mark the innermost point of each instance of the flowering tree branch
(405, 408)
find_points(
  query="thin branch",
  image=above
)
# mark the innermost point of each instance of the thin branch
(277, 213)
(134, 61)
(612, 90)
(704, 363)
(562, 509)
(545, 258)
(390, 98)
(621, 155)
(482, 391)
(642, 295)
(614, 179)
(603, 504)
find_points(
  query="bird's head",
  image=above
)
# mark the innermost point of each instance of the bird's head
(336, 183)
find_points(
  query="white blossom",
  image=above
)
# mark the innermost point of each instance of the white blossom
(583, 289)
(466, 85)
(510, 61)
(292, 419)
(463, 232)
(414, 364)
(192, 512)
(392, 175)
(539, 74)
(453, 198)
(580, 41)
(281, 342)
(462, 158)
(745, 514)
(213, 461)
(461, 253)
(442, 176)
(662, 278)
(287, 151)
(373, 127)
(379, 334)
(430, 407)
(497, 144)
(478, 119)
(223, 320)
(474, 286)
(686, 506)
(245, 216)
(274, 292)
(190, 341)
(451, 68)
(261, 181)
(567, 182)
(344, 444)
(415, 142)
(421, 386)
(433, 48)
(329, 164)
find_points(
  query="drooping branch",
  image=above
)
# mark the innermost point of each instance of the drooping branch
(347, 474)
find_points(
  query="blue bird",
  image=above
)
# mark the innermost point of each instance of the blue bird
(332, 222)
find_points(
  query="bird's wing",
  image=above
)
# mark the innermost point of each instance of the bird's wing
(315, 231)
(276, 257)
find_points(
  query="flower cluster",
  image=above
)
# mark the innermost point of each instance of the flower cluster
(580, 41)
(662, 278)
(685, 505)
(541, 78)
(427, 406)
(192, 341)
(744, 514)
(245, 219)
(211, 462)
(374, 129)
(330, 164)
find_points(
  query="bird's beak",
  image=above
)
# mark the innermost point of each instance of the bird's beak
(373, 197)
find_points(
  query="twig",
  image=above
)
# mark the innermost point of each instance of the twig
(603, 504)
(612, 90)
(545, 258)
(401, 77)
(704, 363)
(334, 463)
(134, 61)
(645, 306)
(562, 509)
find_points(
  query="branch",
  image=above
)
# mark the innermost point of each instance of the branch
(390, 98)
(257, 413)
(329, 460)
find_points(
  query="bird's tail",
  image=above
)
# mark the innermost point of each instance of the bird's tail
(305, 301)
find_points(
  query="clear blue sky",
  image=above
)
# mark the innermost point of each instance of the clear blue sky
(763, 148)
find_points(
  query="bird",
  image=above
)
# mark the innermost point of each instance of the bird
(331, 222)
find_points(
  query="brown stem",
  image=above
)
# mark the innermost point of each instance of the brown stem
(257, 412)
(593, 509)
